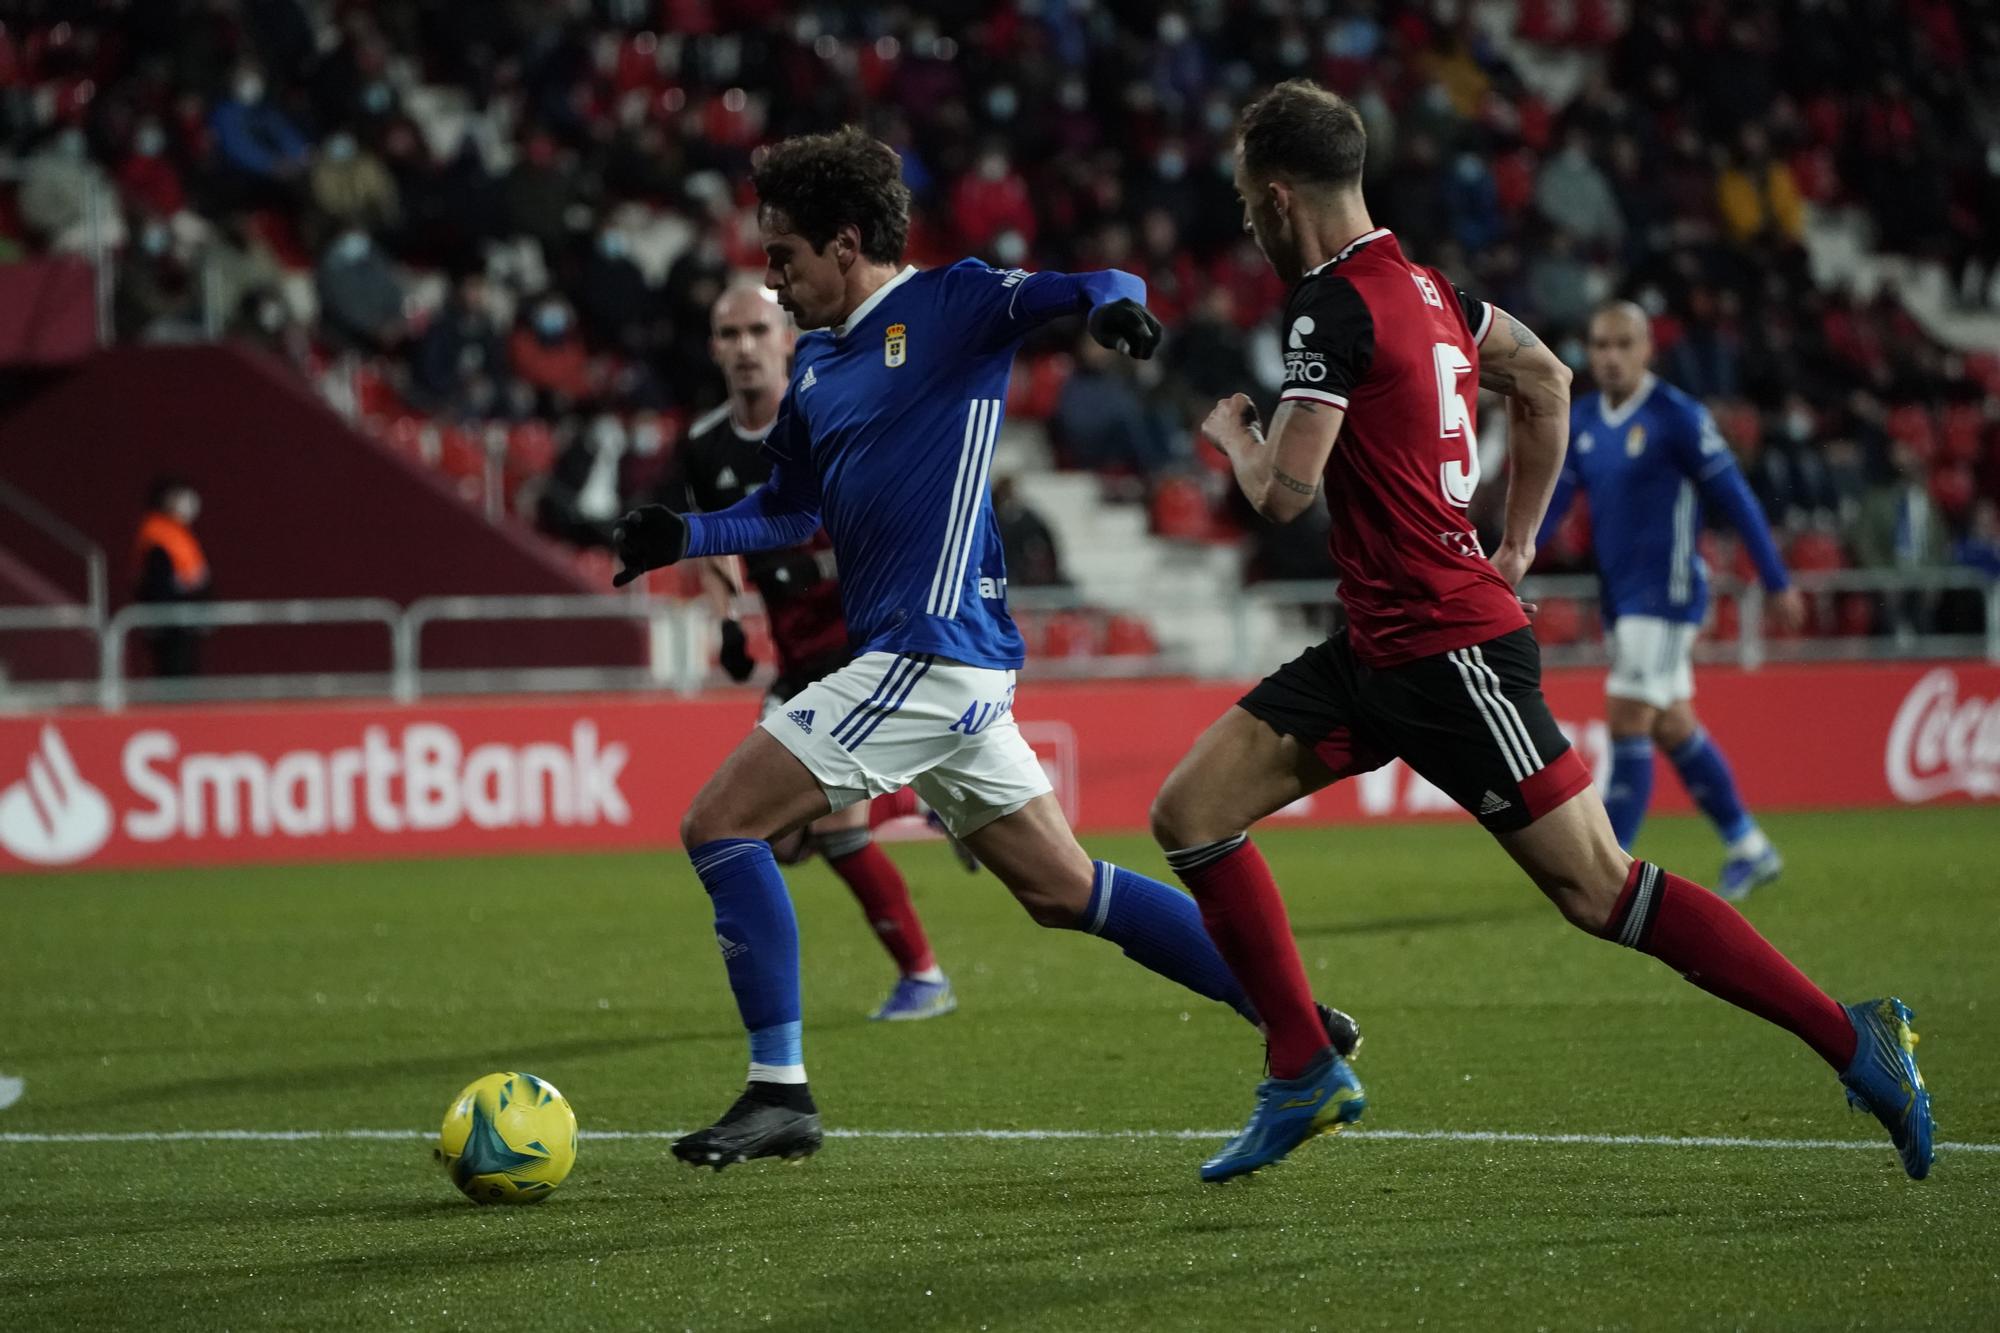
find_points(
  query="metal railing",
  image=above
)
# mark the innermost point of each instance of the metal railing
(1268, 623)
(114, 690)
(95, 569)
(677, 659)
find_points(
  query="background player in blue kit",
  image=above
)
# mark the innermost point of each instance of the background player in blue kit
(1647, 455)
(885, 437)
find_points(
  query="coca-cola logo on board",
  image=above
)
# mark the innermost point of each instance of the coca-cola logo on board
(1942, 745)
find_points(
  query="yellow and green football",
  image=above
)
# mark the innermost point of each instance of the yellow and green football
(508, 1138)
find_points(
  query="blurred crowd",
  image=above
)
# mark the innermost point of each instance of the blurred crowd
(502, 223)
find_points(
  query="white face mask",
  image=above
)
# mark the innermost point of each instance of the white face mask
(250, 89)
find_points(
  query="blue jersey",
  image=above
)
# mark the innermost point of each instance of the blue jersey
(886, 436)
(1646, 468)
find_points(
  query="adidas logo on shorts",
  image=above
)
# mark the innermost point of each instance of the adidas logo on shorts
(1493, 804)
(804, 717)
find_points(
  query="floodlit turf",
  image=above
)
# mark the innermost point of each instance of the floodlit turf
(363, 997)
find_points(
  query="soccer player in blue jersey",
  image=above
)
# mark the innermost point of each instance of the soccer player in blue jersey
(1647, 456)
(885, 436)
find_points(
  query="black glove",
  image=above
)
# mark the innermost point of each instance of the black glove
(650, 537)
(1126, 326)
(736, 659)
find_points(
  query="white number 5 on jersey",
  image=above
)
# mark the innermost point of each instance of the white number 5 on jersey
(1459, 479)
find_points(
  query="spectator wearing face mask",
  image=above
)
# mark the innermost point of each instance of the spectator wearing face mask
(171, 569)
(460, 362)
(350, 187)
(549, 356)
(157, 298)
(261, 154)
(360, 294)
(991, 209)
(612, 296)
(146, 178)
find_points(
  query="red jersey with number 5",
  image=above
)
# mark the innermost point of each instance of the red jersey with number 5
(1396, 347)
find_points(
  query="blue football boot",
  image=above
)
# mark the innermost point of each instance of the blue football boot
(1741, 874)
(1325, 1099)
(913, 999)
(1883, 1080)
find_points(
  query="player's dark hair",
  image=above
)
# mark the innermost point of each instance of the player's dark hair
(1301, 131)
(823, 182)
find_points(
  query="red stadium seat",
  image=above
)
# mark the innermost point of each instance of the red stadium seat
(1854, 615)
(531, 449)
(1069, 634)
(1953, 489)
(1129, 636)
(1984, 368)
(1815, 552)
(1964, 427)
(1180, 510)
(1911, 425)
(1558, 620)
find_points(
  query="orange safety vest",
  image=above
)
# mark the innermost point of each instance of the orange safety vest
(177, 540)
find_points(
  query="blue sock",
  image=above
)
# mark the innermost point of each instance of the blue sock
(1705, 774)
(1160, 928)
(1631, 786)
(759, 939)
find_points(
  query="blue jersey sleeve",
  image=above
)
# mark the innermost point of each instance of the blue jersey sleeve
(1002, 306)
(784, 512)
(1703, 455)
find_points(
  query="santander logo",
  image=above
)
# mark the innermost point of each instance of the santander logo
(1941, 745)
(52, 817)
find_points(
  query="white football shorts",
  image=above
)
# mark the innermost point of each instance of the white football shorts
(892, 720)
(1652, 660)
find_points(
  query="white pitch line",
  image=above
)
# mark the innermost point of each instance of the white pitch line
(1010, 1135)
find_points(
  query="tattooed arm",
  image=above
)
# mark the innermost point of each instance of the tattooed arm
(1514, 362)
(1280, 474)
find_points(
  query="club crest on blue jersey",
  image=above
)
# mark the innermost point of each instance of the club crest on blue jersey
(895, 342)
(1635, 441)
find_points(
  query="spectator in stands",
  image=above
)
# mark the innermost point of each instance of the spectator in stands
(1561, 286)
(991, 210)
(264, 320)
(549, 356)
(156, 298)
(171, 570)
(237, 264)
(1899, 525)
(1979, 548)
(64, 194)
(581, 503)
(360, 294)
(146, 178)
(460, 363)
(1101, 421)
(1757, 195)
(1573, 195)
(536, 195)
(1208, 357)
(617, 306)
(260, 154)
(350, 189)
(1027, 543)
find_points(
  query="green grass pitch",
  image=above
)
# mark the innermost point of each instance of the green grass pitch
(363, 997)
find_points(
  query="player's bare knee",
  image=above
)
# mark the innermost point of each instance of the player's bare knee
(1058, 903)
(1182, 817)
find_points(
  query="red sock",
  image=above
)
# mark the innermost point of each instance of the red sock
(899, 804)
(878, 886)
(1708, 942)
(1246, 918)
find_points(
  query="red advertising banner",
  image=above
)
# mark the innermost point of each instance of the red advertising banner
(301, 782)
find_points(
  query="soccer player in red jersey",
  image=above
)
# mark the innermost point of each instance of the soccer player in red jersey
(1437, 665)
(721, 461)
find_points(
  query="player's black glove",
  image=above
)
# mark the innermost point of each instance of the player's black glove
(736, 659)
(1125, 326)
(650, 537)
